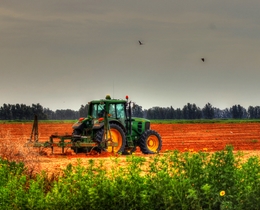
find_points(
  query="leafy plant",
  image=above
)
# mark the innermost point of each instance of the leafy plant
(174, 180)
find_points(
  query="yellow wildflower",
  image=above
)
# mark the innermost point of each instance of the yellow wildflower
(222, 193)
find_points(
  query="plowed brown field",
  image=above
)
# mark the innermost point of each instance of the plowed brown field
(213, 136)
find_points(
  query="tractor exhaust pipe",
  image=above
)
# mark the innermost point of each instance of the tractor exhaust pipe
(129, 118)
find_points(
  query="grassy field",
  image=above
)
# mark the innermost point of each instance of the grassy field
(182, 121)
(39, 121)
(206, 121)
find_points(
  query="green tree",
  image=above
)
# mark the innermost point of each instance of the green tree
(137, 111)
(179, 114)
(170, 113)
(191, 111)
(83, 111)
(238, 112)
(37, 109)
(208, 111)
(253, 112)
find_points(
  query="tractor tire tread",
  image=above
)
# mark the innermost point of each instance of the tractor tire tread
(143, 142)
(100, 133)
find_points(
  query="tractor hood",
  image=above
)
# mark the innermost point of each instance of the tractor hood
(137, 119)
(140, 124)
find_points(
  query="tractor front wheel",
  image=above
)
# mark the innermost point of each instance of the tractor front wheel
(115, 140)
(150, 142)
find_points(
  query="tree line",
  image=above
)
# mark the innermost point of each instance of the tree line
(25, 112)
(189, 111)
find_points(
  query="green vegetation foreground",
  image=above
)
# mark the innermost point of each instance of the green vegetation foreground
(174, 180)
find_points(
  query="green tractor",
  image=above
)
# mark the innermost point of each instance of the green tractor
(110, 126)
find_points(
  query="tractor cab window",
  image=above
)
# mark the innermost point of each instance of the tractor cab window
(120, 110)
(98, 110)
(117, 110)
(112, 110)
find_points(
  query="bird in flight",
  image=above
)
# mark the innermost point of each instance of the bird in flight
(141, 43)
(203, 59)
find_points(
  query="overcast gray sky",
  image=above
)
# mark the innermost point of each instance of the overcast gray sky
(62, 53)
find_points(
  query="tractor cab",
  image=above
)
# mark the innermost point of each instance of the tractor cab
(112, 109)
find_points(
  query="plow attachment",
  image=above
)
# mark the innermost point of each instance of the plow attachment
(64, 142)
(78, 143)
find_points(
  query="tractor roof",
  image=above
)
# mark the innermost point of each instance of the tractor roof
(109, 100)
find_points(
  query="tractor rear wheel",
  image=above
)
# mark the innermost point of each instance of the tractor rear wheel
(150, 142)
(115, 136)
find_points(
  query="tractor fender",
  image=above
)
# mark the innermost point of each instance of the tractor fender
(118, 123)
(77, 125)
(97, 126)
